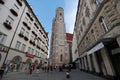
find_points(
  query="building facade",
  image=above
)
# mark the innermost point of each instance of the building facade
(23, 39)
(97, 29)
(58, 47)
(69, 38)
(75, 56)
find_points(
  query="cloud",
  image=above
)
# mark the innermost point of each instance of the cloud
(70, 14)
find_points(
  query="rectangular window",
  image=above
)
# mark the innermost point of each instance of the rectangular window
(26, 19)
(29, 50)
(32, 52)
(22, 30)
(36, 52)
(15, 7)
(2, 38)
(9, 20)
(18, 45)
(27, 34)
(32, 38)
(23, 47)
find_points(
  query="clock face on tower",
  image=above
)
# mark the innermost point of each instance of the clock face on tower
(60, 19)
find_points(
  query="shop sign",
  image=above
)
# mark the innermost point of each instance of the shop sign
(29, 55)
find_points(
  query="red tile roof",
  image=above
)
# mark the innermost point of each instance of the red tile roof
(69, 38)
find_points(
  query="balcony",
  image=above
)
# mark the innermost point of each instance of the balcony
(14, 12)
(33, 43)
(30, 42)
(25, 24)
(19, 2)
(29, 16)
(38, 46)
(36, 25)
(21, 35)
(1, 2)
(8, 26)
(26, 38)
(34, 33)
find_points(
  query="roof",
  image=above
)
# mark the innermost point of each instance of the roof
(69, 38)
(59, 8)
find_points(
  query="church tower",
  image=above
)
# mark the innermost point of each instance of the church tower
(58, 39)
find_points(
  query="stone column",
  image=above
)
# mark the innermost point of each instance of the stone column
(80, 64)
(85, 61)
(89, 63)
(118, 40)
(95, 63)
(108, 65)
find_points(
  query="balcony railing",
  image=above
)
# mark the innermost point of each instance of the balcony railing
(25, 24)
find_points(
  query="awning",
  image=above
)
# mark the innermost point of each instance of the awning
(84, 54)
(96, 48)
(99, 45)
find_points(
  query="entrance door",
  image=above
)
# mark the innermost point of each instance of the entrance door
(116, 63)
(101, 63)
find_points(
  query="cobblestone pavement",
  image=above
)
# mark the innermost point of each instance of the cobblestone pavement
(54, 75)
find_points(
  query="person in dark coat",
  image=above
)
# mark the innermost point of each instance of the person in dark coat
(31, 69)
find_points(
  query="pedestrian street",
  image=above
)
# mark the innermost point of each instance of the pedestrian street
(51, 75)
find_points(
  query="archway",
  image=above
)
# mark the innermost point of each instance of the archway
(15, 63)
(28, 61)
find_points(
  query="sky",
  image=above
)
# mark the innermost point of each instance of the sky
(45, 12)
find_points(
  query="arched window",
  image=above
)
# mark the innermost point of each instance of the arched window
(61, 57)
(103, 23)
(98, 2)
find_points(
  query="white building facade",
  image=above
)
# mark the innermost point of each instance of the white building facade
(23, 39)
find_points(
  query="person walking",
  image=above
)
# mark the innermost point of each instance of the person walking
(1, 72)
(31, 69)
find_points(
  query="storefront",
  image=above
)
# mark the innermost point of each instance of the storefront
(103, 58)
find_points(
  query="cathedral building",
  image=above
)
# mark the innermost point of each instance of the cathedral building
(58, 47)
